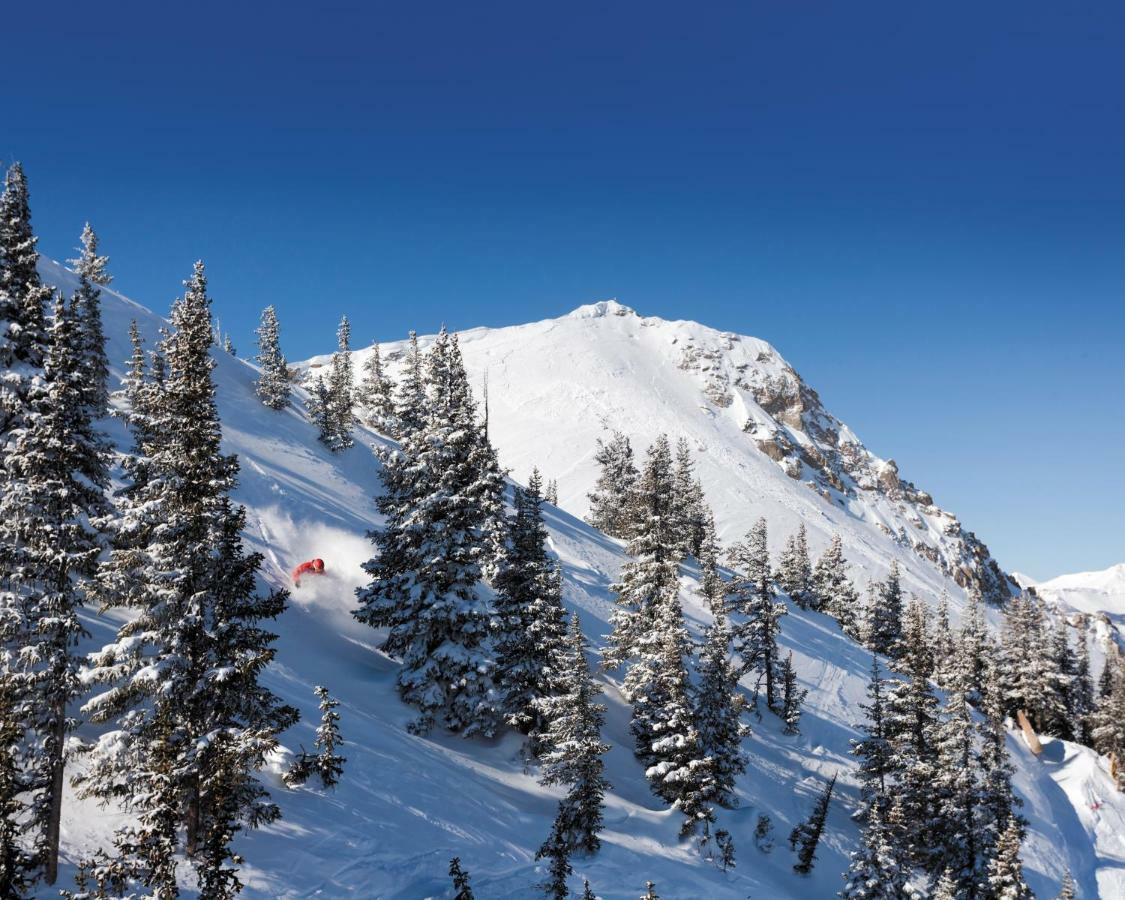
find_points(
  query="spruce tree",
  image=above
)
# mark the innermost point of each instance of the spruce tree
(611, 501)
(22, 299)
(557, 849)
(273, 385)
(974, 647)
(410, 396)
(1083, 694)
(806, 836)
(689, 507)
(326, 763)
(791, 697)
(530, 629)
(794, 571)
(882, 629)
(832, 588)
(57, 470)
(17, 865)
(460, 880)
(1067, 890)
(320, 410)
(341, 390)
(376, 393)
(916, 650)
(651, 576)
(650, 892)
(587, 891)
(752, 594)
(942, 644)
(1057, 704)
(875, 751)
(572, 745)
(92, 276)
(718, 711)
(187, 745)
(1005, 872)
(876, 872)
(551, 492)
(426, 575)
(663, 724)
(955, 790)
(996, 802)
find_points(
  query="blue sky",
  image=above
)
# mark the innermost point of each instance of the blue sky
(921, 206)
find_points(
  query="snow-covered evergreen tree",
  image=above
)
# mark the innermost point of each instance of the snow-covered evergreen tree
(996, 802)
(425, 577)
(92, 276)
(955, 790)
(650, 577)
(1024, 666)
(551, 492)
(187, 743)
(1083, 693)
(973, 650)
(689, 507)
(410, 405)
(650, 892)
(1067, 890)
(663, 724)
(325, 763)
(530, 628)
(375, 395)
(228, 345)
(794, 571)
(718, 710)
(17, 864)
(273, 385)
(876, 872)
(882, 628)
(611, 501)
(752, 594)
(942, 644)
(341, 390)
(916, 648)
(875, 751)
(572, 746)
(557, 850)
(1058, 706)
(806, 837)
(792, 697)
(320, 410)
(832, 588)
(1005, 872)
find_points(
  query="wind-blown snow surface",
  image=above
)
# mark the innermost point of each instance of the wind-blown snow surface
(407, 804)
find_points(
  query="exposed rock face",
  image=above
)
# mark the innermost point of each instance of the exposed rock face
(788, 423)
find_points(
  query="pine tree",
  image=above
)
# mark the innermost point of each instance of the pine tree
(1024, 670)
(795, 572)
(22, 299)
(273, 385)
(56, 471)
(1067, 890)
(228, 345)
(718, 710)
(663, 725)
(572, 746)
(460, 880)
(972, 652)
(341, 391)
(996, 802)
(425, 577)
(689, 507)
(916, 651)
(1107, 731)
(1083, 694)
(752, 594)
(376, 393)
(876, 872)
(833, 591)
(326, 763)
(791, 697)
(1057, 703)
(92, 276)
(650, 892)
(806, 836)
(725, 844)
(551, 492)
(611, 501)
(955, 790)
(320, 410)
(1005, 873)
(187, 745)
(882, 629)
(410, 405)
(651, 575)
(946, 887)
(531, 628)
(557, 849)
(875, 750)
(587, 891)
(17, 865)
(942, 644)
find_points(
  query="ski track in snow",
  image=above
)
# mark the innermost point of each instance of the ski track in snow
(407, 804)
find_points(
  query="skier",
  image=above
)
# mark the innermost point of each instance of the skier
(312, 567)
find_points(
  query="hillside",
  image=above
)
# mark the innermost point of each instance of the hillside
(764, 443)
(407, 804)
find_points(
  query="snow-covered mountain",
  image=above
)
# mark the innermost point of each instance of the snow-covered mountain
(764, 443)
(407, 804)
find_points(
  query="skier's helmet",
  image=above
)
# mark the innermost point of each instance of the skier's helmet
(318, 564)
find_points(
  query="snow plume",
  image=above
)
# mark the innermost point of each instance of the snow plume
(286, 543)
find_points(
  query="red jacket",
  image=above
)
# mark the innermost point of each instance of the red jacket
(312, 567)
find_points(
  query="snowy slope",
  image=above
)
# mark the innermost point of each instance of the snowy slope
(763, 441)
(407, 804)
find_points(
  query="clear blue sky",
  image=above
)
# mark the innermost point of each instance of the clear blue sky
(921, 205)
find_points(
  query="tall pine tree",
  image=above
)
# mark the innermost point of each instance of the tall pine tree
(752, 595)
(273, 385)
(611, 501)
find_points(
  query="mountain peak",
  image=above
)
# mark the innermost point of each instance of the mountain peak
(600, 310)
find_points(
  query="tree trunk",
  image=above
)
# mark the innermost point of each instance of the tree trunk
(191, 819)
(55, 796)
